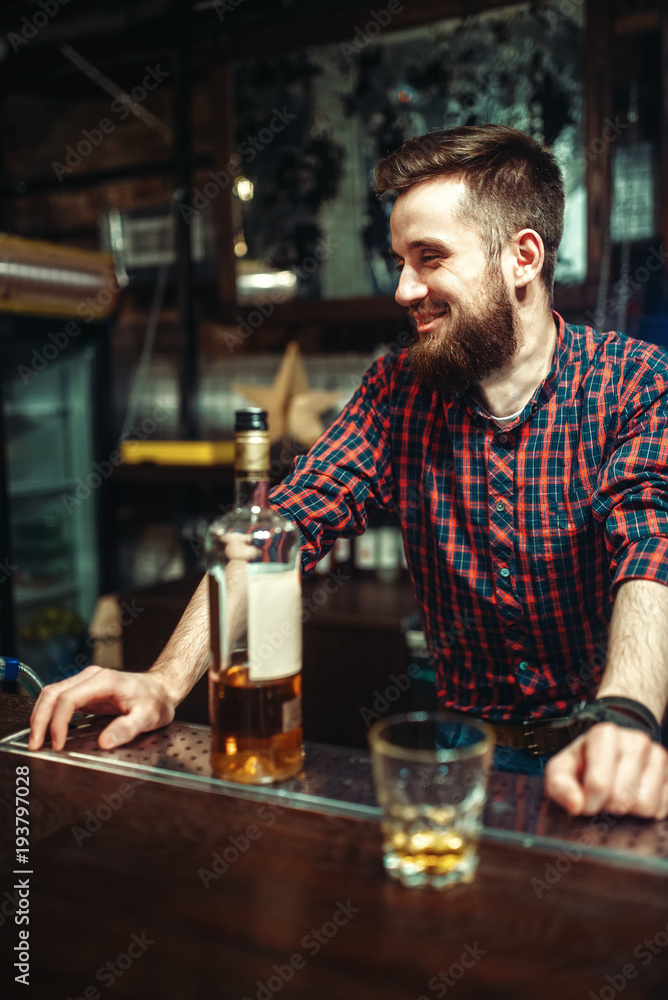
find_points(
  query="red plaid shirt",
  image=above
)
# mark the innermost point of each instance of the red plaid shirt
(516, 537)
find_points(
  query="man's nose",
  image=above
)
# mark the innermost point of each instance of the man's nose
(410, 288)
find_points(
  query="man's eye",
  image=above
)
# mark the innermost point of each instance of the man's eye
(426, 259)
(397, 266)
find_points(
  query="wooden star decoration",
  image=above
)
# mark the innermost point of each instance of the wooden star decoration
(293, 408)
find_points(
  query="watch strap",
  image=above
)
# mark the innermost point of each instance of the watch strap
(622, 711)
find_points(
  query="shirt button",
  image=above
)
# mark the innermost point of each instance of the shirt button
(505, 572)
(500, 507)
(524, 665)
(502, 438)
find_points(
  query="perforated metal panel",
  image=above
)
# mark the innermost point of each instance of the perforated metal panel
(338, 780)
(333, 779)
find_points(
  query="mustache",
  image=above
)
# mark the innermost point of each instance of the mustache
(415, 312)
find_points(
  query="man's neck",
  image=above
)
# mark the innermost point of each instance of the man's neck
(506, 392)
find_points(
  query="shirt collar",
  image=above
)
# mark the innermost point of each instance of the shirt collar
(562, 353)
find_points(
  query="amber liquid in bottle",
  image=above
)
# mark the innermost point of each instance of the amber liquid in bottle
(250, 742)
(255, 606)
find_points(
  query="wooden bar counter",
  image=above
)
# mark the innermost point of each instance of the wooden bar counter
(150, 889)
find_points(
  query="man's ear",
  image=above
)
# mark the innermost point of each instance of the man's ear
(528, 253)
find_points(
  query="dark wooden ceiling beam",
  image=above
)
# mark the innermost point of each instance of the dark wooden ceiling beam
(330, 26)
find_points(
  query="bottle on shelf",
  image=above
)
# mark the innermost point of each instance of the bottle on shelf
(256, 633)
(365, 553)
(342, 554)
(379, 551)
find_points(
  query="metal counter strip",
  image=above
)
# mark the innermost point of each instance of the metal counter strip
(338, 781)
(179, 755)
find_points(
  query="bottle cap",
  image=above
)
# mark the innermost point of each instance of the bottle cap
(251, 419)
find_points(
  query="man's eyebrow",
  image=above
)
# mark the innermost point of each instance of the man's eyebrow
(422, 244)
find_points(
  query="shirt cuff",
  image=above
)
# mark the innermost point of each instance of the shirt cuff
(644, 559)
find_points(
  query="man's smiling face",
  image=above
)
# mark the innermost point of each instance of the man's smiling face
(458, 297)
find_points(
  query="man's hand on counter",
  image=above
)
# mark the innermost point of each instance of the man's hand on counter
(140, 702)
(610, 769)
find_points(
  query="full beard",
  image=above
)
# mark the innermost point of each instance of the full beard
(472, 346)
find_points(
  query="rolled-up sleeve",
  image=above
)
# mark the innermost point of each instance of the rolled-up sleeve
(327, 492)
(632, 494)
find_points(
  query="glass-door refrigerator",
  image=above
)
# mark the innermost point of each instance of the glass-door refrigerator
(56, 306)
(52, 496)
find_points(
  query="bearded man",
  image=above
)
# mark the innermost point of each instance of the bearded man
(526, 462)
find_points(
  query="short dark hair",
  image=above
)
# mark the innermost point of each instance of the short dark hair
(513, 182)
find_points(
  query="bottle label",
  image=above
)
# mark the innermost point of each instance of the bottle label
(251, 455)
(388, 547)
(292, 714)
(274, 621)
(365, 549)
(342, 550)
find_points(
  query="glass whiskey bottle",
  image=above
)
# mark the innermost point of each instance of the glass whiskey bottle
(255, 605)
